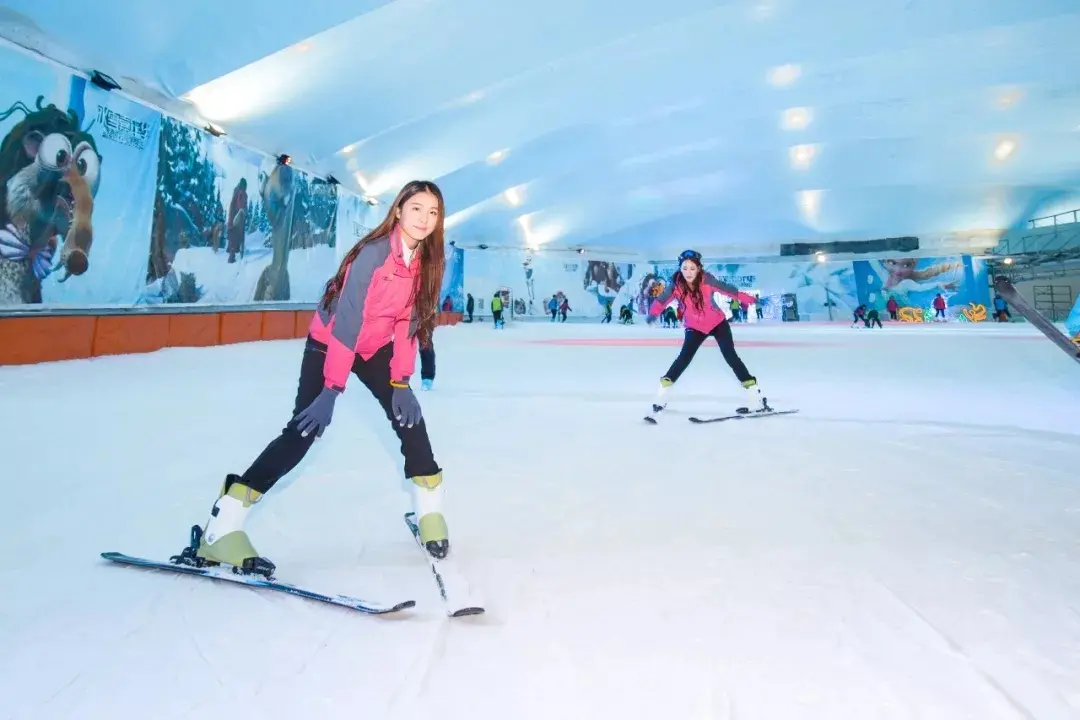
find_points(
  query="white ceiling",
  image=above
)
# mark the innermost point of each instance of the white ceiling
(627, 124)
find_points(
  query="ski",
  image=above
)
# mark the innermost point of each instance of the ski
(443, 571)
(256, 581)
(1033, 316)
(740, 416)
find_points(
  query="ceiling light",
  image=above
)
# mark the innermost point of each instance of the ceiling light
(1008, 261)
(1004, 149)
(513, 196)
(796, 118)
(302, 47)
(496, 157)
(784, 75)
(802, 156)
(347, 149)
(1007, 97)
(821, 257)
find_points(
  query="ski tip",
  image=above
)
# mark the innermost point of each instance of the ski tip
(650, 420)
(466, 612)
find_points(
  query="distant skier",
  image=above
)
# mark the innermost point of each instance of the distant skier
(893, 307)
(470, 305)
(1001, 308)
(497, 310)
(553, 307)
(564, 307)
(939, 307)
(1072, 322)
(368, 322)
(695, 290)
(872, 318)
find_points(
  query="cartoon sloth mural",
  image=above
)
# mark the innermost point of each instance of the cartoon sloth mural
(50, 170)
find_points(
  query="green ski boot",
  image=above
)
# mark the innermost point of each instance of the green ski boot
(224, 541)
(427, 495)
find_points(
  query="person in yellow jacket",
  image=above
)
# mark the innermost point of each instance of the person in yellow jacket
(496, 310)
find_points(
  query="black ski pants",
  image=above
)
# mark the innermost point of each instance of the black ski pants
(287, 450)
(692, 340)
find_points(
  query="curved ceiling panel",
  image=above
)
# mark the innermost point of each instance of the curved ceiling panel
(631, 125)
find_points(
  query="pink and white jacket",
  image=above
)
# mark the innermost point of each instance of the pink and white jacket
(375, 307)
(711, 314)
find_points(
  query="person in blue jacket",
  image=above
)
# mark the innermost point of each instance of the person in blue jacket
(1001, 308)
(1072, 323)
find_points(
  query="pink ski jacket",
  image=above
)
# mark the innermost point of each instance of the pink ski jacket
(375, 307)
(709, 317)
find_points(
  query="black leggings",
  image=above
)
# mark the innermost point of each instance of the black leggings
(427, 362)
(692, 341)
(287, 450)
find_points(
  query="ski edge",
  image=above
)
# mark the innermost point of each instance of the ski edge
(343, 601)
(746, 416)
(414, 529)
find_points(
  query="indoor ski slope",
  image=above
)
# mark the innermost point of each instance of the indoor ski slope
(908, 546)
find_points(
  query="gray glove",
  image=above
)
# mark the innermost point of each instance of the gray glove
(316, 417)
(405, 406)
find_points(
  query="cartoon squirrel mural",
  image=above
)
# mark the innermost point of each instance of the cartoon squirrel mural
(50, 171)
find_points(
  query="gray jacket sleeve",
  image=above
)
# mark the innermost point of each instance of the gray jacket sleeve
(349, 314)
(721, 285)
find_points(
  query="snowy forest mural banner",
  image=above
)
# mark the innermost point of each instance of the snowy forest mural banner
(232, 226)
(107, 203)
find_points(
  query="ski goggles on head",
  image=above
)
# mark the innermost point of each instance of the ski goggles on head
(690, 255)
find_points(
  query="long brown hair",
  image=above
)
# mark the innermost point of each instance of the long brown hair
(692, 292)
(428, 284)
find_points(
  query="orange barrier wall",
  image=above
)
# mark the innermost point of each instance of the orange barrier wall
(34, 339)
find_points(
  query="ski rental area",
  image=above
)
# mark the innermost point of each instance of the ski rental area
(396, 359)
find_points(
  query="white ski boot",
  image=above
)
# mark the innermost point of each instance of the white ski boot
(756, 402)
(223, 541)
(427, 498)
(661, 402)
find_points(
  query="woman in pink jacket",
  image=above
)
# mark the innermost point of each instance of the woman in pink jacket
(701, 295)
(383, 299)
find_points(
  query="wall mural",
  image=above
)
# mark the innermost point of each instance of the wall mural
(817, 290)
(104, 202)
